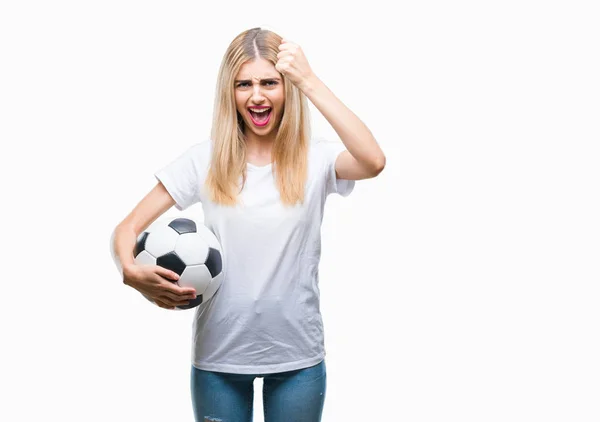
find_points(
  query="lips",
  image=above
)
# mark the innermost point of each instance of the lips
(260, 119)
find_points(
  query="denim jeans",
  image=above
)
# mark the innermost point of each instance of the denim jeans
(291, 396)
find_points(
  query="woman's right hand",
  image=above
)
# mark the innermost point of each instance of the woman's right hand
(154, 282)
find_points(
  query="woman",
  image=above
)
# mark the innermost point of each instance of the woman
(262, 182)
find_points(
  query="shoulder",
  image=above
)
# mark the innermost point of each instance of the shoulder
(194, 159)
(199, 153)
(202, 149)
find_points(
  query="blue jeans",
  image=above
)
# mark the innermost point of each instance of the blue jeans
(292, 396)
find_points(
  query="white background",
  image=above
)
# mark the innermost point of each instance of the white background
(459, 285)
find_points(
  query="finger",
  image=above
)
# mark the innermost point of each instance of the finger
(173, 303)
(285, 45)
(162, 304)
(168, 274)
(282, 66)
(175, 292)
(172, 298)
(169, 297)
(170, 292)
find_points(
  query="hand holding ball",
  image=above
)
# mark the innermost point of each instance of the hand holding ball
(186, 248)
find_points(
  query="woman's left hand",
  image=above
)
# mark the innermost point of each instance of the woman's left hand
(293, 65)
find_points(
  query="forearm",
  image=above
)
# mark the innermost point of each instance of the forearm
(122, 243)
(355, 135)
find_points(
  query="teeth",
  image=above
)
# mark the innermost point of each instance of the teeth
(264, 110)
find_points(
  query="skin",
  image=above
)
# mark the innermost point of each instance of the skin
(265, 87)
(363, 157)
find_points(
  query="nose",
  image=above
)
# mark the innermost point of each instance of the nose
(257, 95)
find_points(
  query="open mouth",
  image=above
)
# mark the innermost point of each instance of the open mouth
(260, 117)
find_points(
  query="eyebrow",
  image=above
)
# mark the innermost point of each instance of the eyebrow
(264, 79)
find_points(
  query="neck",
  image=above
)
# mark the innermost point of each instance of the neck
(259, 145)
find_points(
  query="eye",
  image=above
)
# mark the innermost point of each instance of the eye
(268, 83)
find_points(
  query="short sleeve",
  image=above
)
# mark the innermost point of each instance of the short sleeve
(181, 177)
(331, 150)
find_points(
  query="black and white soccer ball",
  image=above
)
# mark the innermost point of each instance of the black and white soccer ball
(186, 247)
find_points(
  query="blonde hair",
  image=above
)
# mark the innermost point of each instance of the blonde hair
(290, 148)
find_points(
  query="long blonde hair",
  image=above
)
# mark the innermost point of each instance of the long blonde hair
(290, 148)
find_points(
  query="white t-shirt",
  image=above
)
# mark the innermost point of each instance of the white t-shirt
(265, 317)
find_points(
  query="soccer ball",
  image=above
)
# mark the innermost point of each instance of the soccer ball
(186, 248)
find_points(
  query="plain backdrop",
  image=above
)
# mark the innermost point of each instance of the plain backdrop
(462, 284)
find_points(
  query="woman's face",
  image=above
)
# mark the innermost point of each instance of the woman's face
(259, 85)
